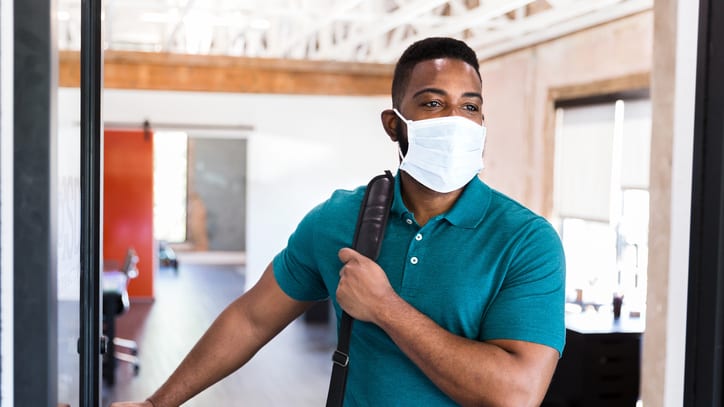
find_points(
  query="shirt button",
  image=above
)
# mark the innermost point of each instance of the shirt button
(409, 221)
(418, 237)
(413, 260)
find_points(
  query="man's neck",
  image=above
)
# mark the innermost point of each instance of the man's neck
(423, 202)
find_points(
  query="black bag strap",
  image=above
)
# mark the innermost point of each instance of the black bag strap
(370, 230)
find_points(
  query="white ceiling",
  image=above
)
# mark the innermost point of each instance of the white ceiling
(339, 30)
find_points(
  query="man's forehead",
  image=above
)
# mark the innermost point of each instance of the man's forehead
(450, 71)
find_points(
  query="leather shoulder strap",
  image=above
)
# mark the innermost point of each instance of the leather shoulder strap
(370, 230)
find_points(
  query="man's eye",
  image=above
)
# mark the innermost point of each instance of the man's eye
(433, 103)
(471, 108)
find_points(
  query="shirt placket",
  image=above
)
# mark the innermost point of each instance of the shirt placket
(415, 259)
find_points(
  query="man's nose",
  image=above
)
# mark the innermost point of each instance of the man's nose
(454, 111)
(460, 112)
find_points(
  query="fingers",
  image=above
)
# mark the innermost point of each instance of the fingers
(346, 254)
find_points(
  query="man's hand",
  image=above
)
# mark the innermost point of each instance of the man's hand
(363, 288)
(132, 404)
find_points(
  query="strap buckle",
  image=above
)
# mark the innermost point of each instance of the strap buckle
(340, 358)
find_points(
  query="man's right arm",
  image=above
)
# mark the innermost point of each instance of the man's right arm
(236, 335)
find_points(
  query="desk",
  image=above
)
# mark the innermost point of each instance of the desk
(601, 364)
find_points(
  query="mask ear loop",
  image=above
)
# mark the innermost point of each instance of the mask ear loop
(397, 112)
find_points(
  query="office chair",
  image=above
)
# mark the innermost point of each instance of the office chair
(116, 303)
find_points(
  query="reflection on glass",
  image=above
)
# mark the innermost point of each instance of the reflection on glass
(68, 263)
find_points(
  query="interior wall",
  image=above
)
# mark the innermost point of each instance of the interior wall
(673, 91)
(301, 148)
(517, 89)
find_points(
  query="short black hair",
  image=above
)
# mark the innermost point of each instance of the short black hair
(425, 50)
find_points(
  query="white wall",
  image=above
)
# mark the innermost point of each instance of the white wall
(301, 149)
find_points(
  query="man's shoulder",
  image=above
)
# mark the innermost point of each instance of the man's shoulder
(347, 196)
(341, 201)
(510, 211)
(501, 201)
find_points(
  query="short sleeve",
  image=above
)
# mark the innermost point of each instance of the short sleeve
(295, 267)
(530, 304)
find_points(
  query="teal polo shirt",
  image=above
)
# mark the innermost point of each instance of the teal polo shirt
(487, 269)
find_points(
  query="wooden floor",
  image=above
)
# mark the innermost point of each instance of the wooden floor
(293, 369)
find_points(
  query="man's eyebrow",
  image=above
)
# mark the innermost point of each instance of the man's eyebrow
(429, 90)
(443, 93)
(473, 95)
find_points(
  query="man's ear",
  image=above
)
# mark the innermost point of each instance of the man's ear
(389, 122)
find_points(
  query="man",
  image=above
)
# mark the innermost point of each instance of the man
(465, 303)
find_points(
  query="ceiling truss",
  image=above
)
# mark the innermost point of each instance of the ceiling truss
(334, 30)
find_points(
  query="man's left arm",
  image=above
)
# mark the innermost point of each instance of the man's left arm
(491, 373)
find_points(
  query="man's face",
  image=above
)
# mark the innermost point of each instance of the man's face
(438, 88)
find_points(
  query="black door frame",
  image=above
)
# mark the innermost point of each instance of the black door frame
(703, 379)
(91, 343)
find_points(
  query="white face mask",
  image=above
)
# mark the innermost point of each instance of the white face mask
(443, 153)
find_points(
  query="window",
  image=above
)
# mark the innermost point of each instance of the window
(601, 200)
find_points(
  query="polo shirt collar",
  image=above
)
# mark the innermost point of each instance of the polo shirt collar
(398, 206)
(467, 212)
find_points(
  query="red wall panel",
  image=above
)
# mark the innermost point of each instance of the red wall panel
(128, 203)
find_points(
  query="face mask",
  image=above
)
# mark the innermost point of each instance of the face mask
(443, 153)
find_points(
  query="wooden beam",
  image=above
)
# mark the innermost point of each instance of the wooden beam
(622, 84)
(163, 71)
